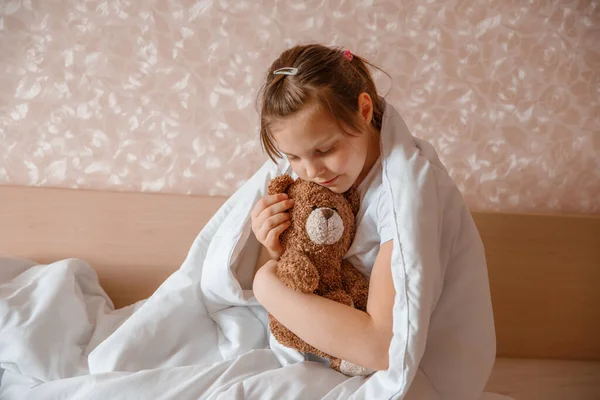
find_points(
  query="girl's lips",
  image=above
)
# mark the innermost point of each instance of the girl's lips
(329, 182)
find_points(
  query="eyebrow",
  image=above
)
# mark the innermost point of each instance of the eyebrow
(314, 148)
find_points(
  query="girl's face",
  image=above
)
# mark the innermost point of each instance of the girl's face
(320, 151)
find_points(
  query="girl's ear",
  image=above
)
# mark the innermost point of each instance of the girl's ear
(353, 198)
(365, 107)
(280, 184)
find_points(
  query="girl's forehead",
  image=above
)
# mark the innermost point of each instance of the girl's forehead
(305, 130)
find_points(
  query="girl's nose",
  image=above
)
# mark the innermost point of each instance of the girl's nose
(313, 170)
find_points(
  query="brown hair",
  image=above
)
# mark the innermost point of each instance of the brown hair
(327, 77)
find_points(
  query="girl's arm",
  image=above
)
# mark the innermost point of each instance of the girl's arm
(362, 338)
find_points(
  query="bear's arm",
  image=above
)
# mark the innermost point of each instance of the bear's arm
(297, 271)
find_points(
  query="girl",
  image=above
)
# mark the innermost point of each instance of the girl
(325, 119)
(321, 110)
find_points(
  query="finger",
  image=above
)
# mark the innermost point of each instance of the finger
(275, 220)
(272, 224)
(275, 209)
(265, 202)
(278, 230)
(273, 235)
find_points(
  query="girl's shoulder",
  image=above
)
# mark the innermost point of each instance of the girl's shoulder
(377, 208)
(385, 216)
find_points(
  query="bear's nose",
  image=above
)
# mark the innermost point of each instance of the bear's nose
(327, 213)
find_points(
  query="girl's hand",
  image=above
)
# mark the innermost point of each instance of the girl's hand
(269, 220)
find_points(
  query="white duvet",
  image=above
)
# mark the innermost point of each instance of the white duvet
(202, 335)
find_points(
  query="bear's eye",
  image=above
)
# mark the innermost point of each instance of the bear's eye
(314, 208)
(334, 209)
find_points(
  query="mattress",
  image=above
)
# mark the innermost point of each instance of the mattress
(533, 379)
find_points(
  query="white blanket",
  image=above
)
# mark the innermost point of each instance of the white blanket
(203, 335)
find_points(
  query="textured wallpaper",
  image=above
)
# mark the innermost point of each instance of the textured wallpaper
(159, 96)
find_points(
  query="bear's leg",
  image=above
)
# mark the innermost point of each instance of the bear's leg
(335, 363)
(347, 368)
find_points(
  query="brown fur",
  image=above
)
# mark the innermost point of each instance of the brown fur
(310, 267)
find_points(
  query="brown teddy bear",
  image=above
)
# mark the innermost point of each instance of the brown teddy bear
(321, 232)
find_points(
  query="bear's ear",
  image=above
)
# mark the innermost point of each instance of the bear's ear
(280, 184)
(353, 198)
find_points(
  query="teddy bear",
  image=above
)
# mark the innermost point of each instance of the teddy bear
(321, 232)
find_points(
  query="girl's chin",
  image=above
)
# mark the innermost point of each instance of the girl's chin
(340, 187)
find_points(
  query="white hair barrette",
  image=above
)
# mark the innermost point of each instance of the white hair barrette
(286, 71)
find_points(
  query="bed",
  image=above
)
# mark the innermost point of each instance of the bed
(544, 272)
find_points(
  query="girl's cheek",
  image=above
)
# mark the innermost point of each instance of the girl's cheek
(339, 163)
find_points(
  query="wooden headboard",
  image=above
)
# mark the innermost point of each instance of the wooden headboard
(544, 269)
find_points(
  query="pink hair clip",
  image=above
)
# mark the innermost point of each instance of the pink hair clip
(348, 55)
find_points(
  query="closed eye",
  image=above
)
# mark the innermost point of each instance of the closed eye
(331, 148)
(325, 152)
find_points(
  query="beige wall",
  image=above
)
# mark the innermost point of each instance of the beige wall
(159, 96)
